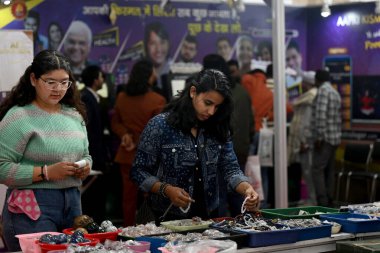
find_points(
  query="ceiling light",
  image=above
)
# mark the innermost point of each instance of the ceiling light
(325, 11)
(6, 2)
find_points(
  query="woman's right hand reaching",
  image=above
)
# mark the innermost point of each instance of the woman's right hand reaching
(178, 196)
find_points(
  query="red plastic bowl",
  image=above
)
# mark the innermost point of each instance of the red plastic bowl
(45, 247)
(28, 241)
(100, 236)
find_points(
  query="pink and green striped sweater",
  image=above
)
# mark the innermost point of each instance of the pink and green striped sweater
(30, 137)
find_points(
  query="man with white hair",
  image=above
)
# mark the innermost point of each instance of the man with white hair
(244, 52)
(77, 46)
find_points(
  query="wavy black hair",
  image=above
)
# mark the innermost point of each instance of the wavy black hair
(24, 92)
(138, 82)
(182, 114)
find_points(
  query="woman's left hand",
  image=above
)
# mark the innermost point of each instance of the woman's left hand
(82, 173)
(252, 202)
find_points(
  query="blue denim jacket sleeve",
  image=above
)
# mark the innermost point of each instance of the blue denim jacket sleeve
(144, 170)
(230, 167)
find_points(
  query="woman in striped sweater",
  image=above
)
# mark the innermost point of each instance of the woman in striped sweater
(42, 135)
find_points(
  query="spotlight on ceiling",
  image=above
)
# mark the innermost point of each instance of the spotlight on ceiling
(325, 11)
(6, 2)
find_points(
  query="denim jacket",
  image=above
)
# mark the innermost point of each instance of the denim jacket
(168, 155)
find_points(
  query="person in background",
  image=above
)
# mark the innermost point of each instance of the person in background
(270, 79)
(157, 48)
(223, 48)
(182, 151)
(77, 46)
(261, 96)
(262, 105)
(55, 35)
(233, 66)
(244, 53)
(188, 49)
(42, 135)
(327, 132)
(265, 51)
(32, 22)
(242, 125)
(92, 77)
(134, 106)
(300, 145)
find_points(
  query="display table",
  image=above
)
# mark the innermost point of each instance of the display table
(317, 245)
(310, 246)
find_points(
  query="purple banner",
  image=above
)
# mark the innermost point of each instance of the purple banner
(117, 31)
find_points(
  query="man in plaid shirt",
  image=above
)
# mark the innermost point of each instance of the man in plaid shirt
(327, 134)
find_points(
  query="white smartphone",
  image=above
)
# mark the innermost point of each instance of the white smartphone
(81, 163)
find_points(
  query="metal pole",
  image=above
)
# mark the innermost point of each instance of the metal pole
(280, 163)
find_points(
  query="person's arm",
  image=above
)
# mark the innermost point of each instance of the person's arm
(119, 128)
(251, 117)
(144, 168)
(117, 125)
(252, 200)
(305, 127)
(14, 171)
(13, 141)
(85, 171)
(178, 196)
(235, 177)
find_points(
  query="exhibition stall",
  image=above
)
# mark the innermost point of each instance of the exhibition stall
(115, 37)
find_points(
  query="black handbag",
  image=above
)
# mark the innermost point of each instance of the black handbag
(145, 213)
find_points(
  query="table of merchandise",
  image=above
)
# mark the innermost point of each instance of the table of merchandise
(317, 245)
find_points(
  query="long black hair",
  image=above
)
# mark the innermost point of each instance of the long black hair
(182, 114)
(138, 83)
(24, 92)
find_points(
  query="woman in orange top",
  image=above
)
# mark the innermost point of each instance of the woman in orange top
(134, 106)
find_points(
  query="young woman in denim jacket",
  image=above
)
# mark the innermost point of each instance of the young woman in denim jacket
(182, 151)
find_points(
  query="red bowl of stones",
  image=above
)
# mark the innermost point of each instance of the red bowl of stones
(46, 247)
(100, 236)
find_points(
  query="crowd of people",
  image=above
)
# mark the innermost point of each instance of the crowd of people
(185, 156)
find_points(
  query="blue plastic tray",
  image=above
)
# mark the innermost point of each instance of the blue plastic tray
(349, 226)
(314, 232)
(268, 238)
(239, 237)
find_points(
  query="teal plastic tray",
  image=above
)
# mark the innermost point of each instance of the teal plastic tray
(294, 212)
